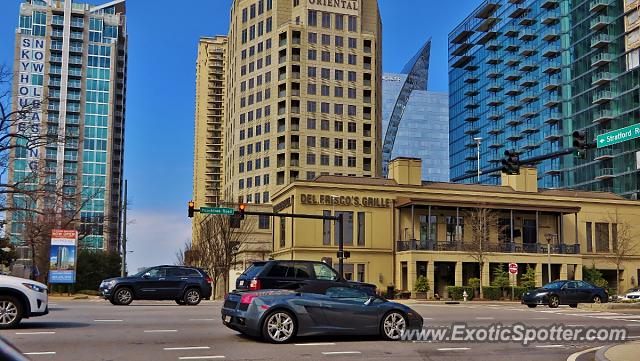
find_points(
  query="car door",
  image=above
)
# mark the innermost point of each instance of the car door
(569, 293)
(584, 291)
(175, 282)
(347, 311)
(150, 285)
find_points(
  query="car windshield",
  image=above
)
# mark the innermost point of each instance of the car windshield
(253, 270)
(554, 285)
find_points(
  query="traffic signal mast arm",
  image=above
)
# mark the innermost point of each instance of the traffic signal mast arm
(528, 161)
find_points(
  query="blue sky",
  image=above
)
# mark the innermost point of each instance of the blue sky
(163, 36)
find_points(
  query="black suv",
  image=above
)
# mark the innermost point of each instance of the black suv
(185, 285)
(292, 275)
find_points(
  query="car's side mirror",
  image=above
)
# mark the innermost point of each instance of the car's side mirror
(369, 301)
(146, 275)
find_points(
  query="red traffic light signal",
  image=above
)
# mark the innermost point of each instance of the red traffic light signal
(192, 208)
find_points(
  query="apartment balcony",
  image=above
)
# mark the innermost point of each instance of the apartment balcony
(551, 117)
(552, 135)
(77, 23)
(512, 105)
(605, 173)
(493, 247)
(530, 128)
(531, 144)
(550, 4)
(550, 17)
(601, 40)
(513, 120)
(471, 79)
(528, 81)
(493, 45)
(600, 21)
(495, 87)
(603, 116)
(471, 104)
(604, 153)
(494, 59)
(513, 76)
(551, 35)
(513, 90)
(601, 78)
(471, 154)
(598, 5)
(495, 115)
(530, 111)
(54, 82)
(75, 49)
(514, 137)
(496, 128)
(602, 59)
(471, 117)
(471, 91)
(528, 49)
(528, 66)
(471, 129)
(551, 66)
(551, 101)
(529, 97)
(494, 101)
(55, 59)
(527, 35)
(551, 51)
(496, 143)
(602, 96)
(552, 84)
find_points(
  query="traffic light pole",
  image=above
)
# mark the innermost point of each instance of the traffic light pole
(531, 160)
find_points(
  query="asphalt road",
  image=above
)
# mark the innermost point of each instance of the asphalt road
(96, 330)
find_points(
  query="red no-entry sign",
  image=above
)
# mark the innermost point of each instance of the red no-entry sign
(513, 268)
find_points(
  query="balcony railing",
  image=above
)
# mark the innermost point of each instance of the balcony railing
(505, 247)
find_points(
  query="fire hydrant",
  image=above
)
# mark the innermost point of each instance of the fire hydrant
(465, 295)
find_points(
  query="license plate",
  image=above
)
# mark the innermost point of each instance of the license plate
(227, 318)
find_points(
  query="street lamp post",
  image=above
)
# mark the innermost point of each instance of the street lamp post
(339, 230)
(478, 141)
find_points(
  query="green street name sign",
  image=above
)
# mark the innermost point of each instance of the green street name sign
(618, 136)
(226, 211)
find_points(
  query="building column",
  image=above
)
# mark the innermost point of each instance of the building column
(458, 274)
(564, 274)
(486, 278)
(431, 277)
(411, 274)
(539, 281)
(578, 272)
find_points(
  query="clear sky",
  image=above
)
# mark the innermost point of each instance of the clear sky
(163, 36)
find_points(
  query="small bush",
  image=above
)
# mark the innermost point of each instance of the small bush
(518, 292)
(422, 284)
(492, 293)
(456, 292)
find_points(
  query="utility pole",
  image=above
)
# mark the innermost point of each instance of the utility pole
(478, 141)
(341, 245)
(123, 272)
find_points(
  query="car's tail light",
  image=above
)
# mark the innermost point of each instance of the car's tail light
(247, 299)
(254, 285)
(208, 279)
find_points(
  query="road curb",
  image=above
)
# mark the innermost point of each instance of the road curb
(609, 306)
(600, 353)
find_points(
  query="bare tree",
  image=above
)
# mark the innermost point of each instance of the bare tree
(482, 221)
(624, 244)
(183, 255)
(217, 244)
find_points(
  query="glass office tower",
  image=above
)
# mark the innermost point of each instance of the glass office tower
(71, 57)
(415, 122)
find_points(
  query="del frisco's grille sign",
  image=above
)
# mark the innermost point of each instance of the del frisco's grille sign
(351, 7)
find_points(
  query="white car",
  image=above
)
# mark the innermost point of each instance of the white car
(635, 295)
(21, 298)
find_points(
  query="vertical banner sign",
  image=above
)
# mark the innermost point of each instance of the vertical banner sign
(62, 259)
(30, 85)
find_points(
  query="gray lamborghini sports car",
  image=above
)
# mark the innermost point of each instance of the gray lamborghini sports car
(280, 315)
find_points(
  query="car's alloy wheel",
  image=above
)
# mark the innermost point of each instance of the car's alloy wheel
(554, 301)
(10, 312)
(123, 296)
(597, 299)
(394, 325)
(280, 327)
(192, 297)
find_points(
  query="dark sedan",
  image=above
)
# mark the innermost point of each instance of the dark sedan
(569, 293)
(280, 315)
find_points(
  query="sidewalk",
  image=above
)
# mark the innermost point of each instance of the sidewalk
(624, 352)
(63, 297)
(442, 302)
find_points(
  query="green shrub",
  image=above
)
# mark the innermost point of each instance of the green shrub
(456, 292)
(422, 284)
(518, 292)
(474, 283)
(492, 293)
(528, 279)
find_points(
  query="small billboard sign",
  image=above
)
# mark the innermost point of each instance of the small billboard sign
(62, 258)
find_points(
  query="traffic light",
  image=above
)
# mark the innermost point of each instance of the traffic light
(511, 162)
(580, 143)
(241, 209)
(192, 209)
(235, 220)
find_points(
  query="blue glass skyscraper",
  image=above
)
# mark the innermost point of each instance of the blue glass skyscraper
(414, 120)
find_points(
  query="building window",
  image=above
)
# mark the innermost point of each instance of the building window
(347, 229)
(455, 231)
(339, 22)
(311, 123)
(326, 228)
(265, 195)
(263, 221)
(313, 18)
(312, 55)
(428, 230)
(353, 23)
(347, 271)
(337, 161)
(351, 162)
(313, 38)
(360, 272)
(361, 228)
(283, 230)
(311, 159)
(326, 39)
(602, 237)
(326, 20)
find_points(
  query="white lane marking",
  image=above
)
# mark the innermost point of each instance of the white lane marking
(454, 349)
(631, 325)
(107, 320)
(549, 346)
(628, 316)
(159, 331)
(53, 304)
(36, 333)
(427, 318)
(39, 353)
(200, 357)
(484, 318)
(316, 344)
(342, 353)
(186, 348)
(202, 319)
(539, 318)
(574, 356)
(633, 337)
(576, 325)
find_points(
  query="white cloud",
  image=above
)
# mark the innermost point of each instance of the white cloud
(154, 237)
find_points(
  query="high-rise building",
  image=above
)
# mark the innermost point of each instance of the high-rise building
(525, 74)
(415, 122)
(505, 80)
(303, 94)
(72, 58)
(209, 122)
